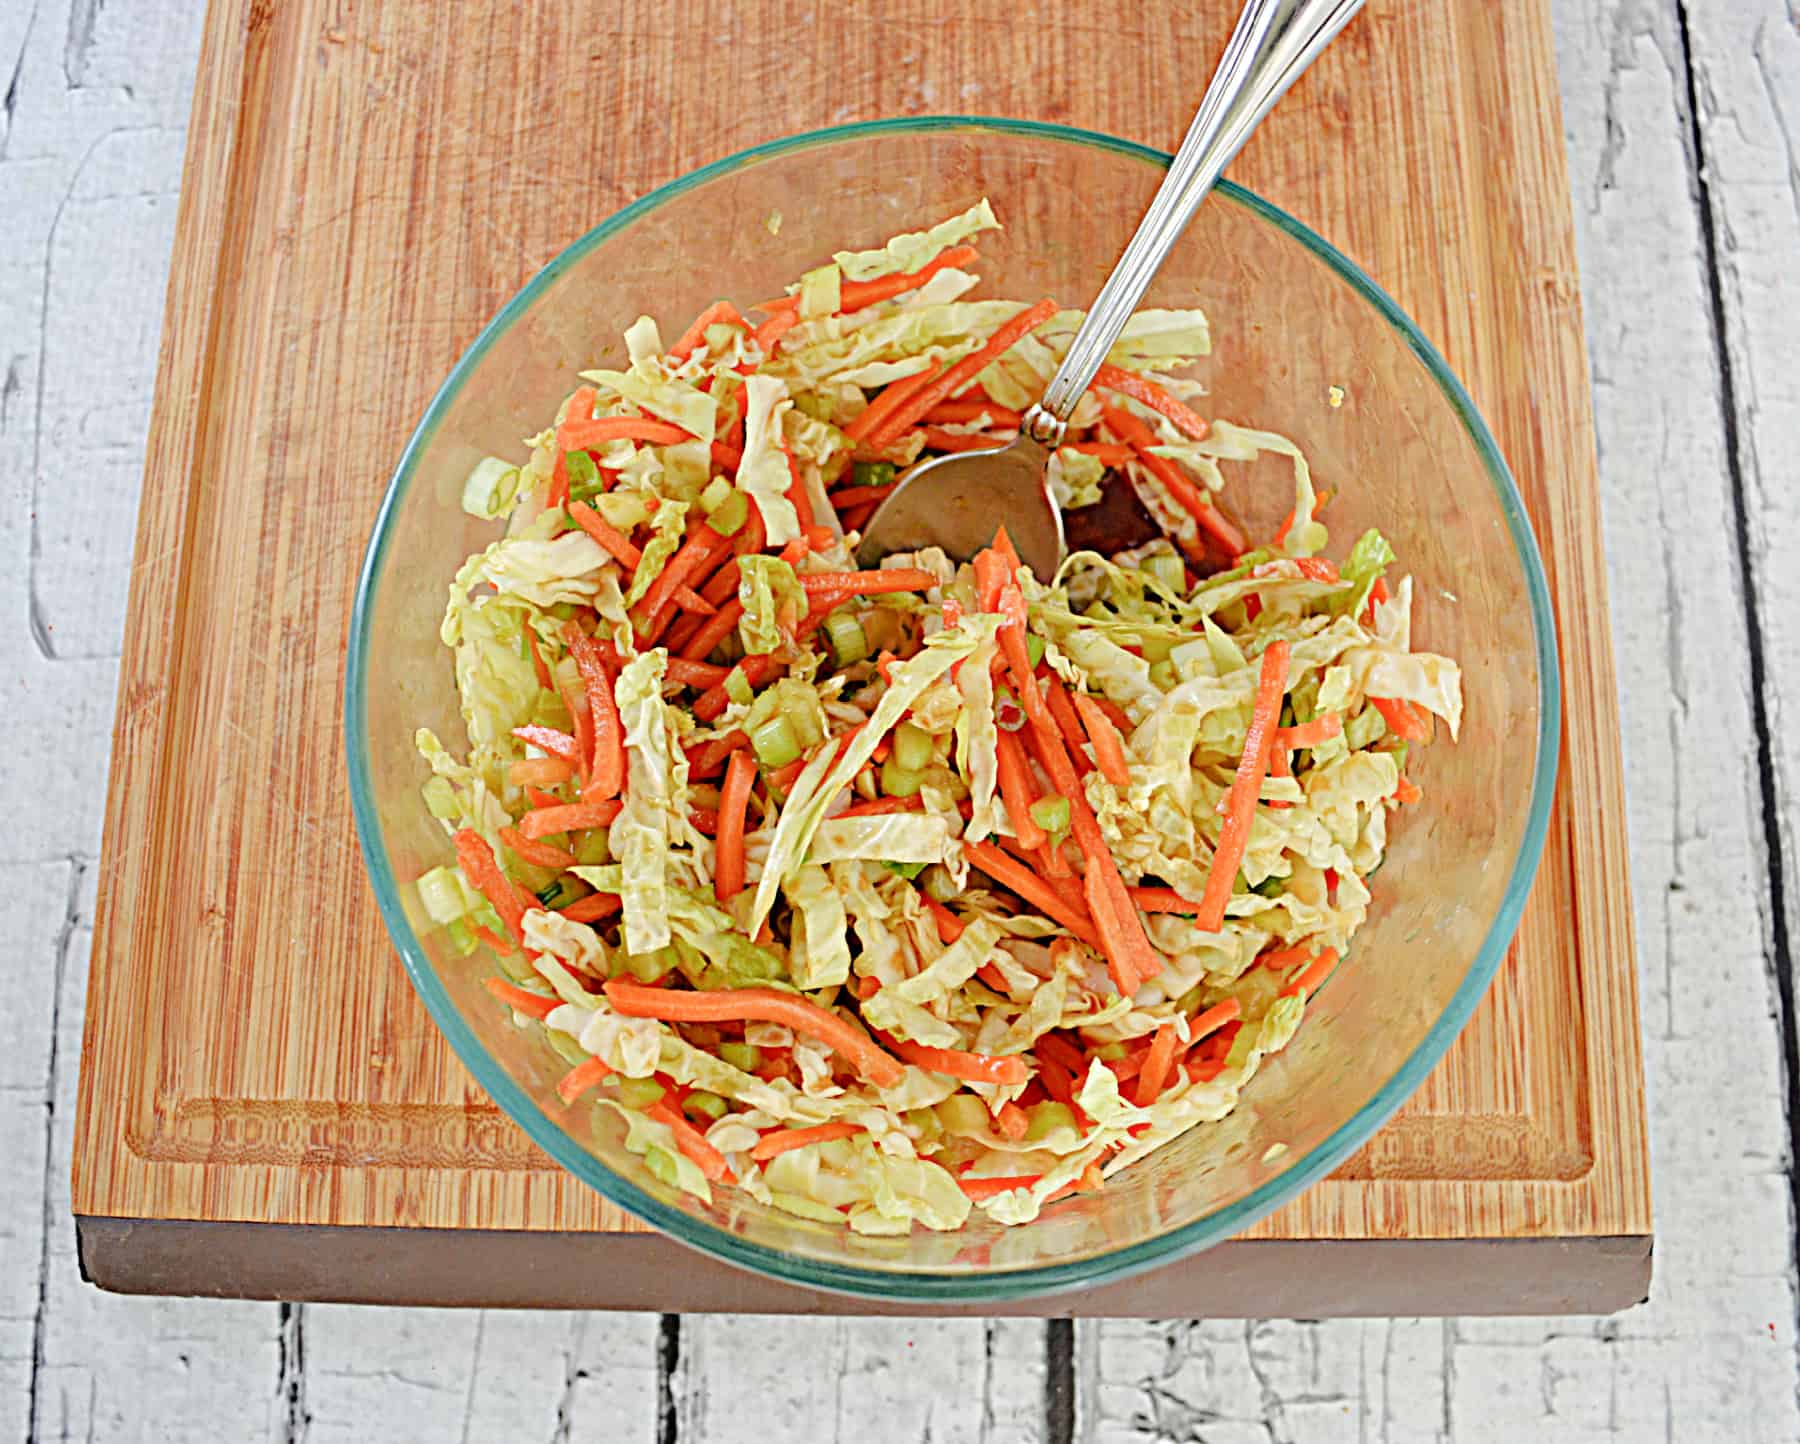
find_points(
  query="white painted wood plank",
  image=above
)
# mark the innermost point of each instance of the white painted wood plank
(1712, 1355)
(745, 1379)
(447, 1374)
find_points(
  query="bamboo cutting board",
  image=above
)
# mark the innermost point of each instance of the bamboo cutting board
(366, 184)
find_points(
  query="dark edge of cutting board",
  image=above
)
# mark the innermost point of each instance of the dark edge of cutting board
(517, 1269)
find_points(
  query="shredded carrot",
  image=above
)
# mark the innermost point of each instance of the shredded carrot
(980, 1188)
(575, 699)
(592, 908)
(1280, 765)
(709, 757)
(539, 771)
(935, 438)
(1011, 1121)
(606, 773)
(1112, 453)
(855, 295)
(532, 1005)
(558, 744)
(690, 1140)
(1138, 435)
(719, 311)
(1020, 879)
(949, 926)
(701, 548)
(581, 1077)
(714, 630)
(960, 413)
(1279, 960)
(1310, 734)
(1017, 790)
(540, 854)
(1060, 1050)
(954, 1063)
(767, 337)
(1378, 592)
(1407, 791)
(866, 988)
(1138, 388)
(1057, 1080)
(729, 457)
(1312, 975)
(857, 517)
(541, 798)
(1157, 1062)
(855, 496)
(963, 372)
(1109, 923)
(1213, 1019)
(618, 546)
(1074, 735)
(1109, 747)
(734, 800)
(763, 1005)
(1271, 687)
(538, 665)
(784, 1140)
(1159, 900)
(1406, 720)
(580, 435)
(755, 671)
(990, 975)
(479, 866)
(890, 579)
(569, 817)
(893, 396)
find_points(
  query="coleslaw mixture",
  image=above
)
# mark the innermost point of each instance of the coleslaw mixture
(888, 896)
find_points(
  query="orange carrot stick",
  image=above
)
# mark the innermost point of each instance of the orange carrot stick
(690, 1140)
(890, 579)
(1139, 388)
(882, 806)
(763, 1005)
(954, 1063)
(1271, 687)
(1109, 747)
(1140, 438)
(1406, 720)
(755, 670)
(1012, 1121)
(618, 546)
(1109, 921)
(1017, 790)
(1056, 1049)
(1156, 1066)
(734, 800)
(895, 395)
(714, 630)
(784, 1140)
(1068, 722)
(719, 311)
(558, 744)
(581, 1077)
(980, 1188)
(570, 817)
(767, 337)
(960, 413)
(1020, 879)
(855, 295)
(935, 438)
(479, 866)
(1213, 1019)
(709, 757)
(540, 854)
(696, 553)
(580, 435)
(1310, 734)
(532, 1005)
(606, 772)
(949, 926)
(854, 496)
(1312, 975)
(1110, 452)
(964, 371)
(539, 771)
(538, 665)
(592, 908)
(1159, 900)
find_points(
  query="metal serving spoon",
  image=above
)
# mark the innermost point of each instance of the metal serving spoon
(957, 502)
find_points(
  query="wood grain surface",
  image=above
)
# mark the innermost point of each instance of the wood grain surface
(363, 191)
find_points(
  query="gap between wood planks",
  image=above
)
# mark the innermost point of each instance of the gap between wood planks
(1777, 951)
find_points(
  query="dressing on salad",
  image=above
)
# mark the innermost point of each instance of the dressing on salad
(888, 896)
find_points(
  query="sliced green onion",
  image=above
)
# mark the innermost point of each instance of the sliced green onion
(729, 516)
(907, 870)
(639, 1092)
(1043, 1119)
(744, 1056)
(774, 742)
(912, 748)
(897, 781)
(707, 1105)
(491, 488)
(873, 473)
(1051, 813)
(1270, 887)
(845, 633)
(1034, 647)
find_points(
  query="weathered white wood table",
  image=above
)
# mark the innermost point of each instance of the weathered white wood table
(1682, 119)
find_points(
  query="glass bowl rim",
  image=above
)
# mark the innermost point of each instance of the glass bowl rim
(925, 1286)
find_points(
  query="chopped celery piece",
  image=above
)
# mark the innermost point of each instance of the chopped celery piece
(1164, 676)
(873, 473)
(963, 1113)
(707, 1105)
(845, 633)
(592, 850)
(661, 1165)
(584, 476)
(912, 748)
(1110, 1052)
(1034, 648)
(639, 1092)
(461, 935)
(710, 499)
(441, 892)
(648, 967)
(1051, 813)
(1166, 569)
(729, 516)
(774, 742)
(898, 781)
(1043, 1119)
(738, 688)
(440, 798)
(746, 1057)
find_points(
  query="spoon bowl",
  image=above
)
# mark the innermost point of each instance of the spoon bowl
(957, 503)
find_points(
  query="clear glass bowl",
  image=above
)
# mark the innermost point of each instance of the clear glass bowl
(1304, 344)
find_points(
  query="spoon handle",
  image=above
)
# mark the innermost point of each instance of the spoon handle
(1274, 41)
